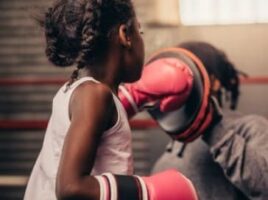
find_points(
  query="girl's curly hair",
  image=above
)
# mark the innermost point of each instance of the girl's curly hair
(78, 31)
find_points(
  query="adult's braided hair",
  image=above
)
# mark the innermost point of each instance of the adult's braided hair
(77, 31)
(217, 64)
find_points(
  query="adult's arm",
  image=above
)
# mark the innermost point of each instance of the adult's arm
(239, 144)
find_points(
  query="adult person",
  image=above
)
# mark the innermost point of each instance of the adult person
(227, 158)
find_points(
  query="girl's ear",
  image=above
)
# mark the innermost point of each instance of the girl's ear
(124, 37)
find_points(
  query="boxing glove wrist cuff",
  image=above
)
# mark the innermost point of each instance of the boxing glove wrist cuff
(145, 195)
(103, 188)
(124, 187)
(128, 187)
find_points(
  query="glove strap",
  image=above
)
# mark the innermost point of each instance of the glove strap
(129, 98)
(122, 187)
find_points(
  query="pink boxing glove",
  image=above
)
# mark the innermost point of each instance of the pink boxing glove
(166, 185)
(166, 82)
(170, 185)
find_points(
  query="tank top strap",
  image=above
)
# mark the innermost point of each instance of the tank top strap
(67, 90)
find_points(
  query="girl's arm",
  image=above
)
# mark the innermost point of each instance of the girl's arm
(91, 109)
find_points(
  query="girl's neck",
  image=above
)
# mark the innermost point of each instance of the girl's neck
(108, 70)
(107, 74)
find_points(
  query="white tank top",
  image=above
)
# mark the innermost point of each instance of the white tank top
(114, 154)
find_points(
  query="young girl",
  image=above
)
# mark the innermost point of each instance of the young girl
(87, 151)
(88, 132)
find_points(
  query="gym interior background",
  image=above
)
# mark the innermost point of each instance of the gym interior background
(28, 81)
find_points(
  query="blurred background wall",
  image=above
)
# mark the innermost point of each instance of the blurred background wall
(28, 82)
